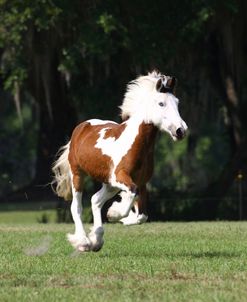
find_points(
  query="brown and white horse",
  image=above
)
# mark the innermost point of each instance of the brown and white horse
(120, 156)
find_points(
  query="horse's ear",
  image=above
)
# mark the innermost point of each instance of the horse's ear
(124, 118)
(159, 85)
(171, 83)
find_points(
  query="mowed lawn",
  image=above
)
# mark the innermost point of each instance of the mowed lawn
(150, 262)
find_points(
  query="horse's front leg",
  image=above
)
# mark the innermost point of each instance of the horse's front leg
(97, 201)
(79, 239)
(121, 209)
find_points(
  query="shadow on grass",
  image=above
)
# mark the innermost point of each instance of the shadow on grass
(191, 255)
(210, 255)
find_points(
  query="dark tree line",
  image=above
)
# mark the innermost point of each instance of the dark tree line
(67, 61)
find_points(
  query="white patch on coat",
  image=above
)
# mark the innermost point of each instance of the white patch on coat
(79, 239)
(95, 122)
(117, 148)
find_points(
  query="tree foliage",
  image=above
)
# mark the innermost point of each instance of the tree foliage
(68, 61)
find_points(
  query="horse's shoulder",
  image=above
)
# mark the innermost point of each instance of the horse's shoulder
(114, 130)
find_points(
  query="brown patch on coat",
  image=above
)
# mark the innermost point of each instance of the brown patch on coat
(142, 199)
(136, 167)
(115, 131)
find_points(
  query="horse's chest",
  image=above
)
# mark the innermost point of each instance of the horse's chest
(116, 148)
(143, 169)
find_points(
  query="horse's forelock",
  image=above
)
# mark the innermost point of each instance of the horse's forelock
(138, 89)
(136, 93)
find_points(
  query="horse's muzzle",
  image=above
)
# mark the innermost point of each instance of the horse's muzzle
(180, 133)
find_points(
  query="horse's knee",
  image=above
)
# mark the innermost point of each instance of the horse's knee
(117, 211)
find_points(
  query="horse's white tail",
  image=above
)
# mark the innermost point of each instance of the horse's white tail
(61, 171)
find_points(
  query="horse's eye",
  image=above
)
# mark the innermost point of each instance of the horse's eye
(161, 104)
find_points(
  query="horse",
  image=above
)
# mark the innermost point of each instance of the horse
(119, 155)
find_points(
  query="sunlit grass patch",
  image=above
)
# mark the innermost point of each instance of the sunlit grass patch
(150, 262)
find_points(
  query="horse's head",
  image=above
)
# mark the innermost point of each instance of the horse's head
(151, 98)
(165, 108)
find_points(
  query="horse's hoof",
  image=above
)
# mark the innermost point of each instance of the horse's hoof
(80, 244)
(133, 219)
(96, 239)
(97, 247)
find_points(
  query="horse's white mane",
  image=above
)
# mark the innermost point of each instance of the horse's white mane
(138, 94)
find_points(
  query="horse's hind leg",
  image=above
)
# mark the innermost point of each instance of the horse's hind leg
(79, 239)
(98, 200)
(140, 214)
(119, 210)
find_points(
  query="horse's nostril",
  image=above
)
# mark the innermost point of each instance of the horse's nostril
(180, 133)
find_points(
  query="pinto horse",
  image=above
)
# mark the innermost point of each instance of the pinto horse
(120, 156)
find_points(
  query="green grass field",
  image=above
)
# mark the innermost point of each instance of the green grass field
(151, 262)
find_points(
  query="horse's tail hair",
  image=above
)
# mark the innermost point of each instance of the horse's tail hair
(61, 183)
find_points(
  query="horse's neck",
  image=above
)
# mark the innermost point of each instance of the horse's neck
(147, 135)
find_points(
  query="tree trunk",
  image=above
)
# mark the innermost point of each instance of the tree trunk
(57, 117)
(229, 70)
